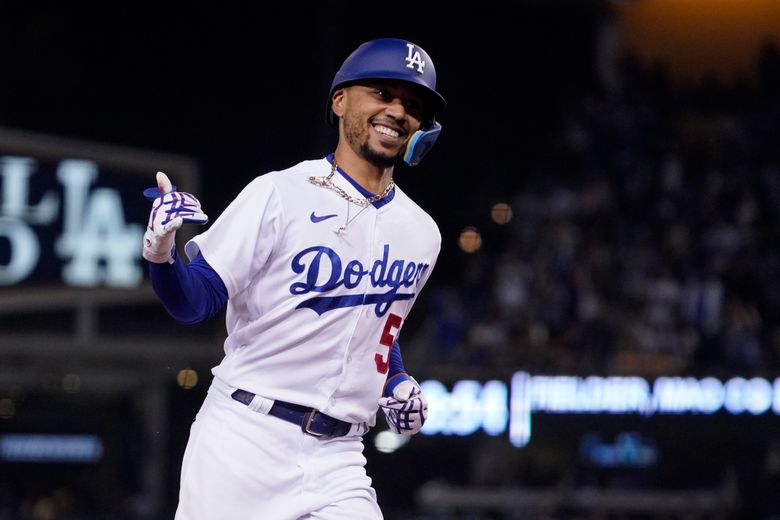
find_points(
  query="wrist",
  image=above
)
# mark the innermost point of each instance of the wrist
(394, 381)
(159, 258)
(159, 249)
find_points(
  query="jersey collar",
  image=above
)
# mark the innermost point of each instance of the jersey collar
(364, 192)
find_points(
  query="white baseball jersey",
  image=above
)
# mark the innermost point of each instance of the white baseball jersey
(312, 312)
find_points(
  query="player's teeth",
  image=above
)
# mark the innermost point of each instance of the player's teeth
(386, 131)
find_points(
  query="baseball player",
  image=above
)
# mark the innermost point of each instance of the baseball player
(319, 266)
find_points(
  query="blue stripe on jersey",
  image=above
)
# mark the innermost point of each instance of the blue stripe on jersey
(323, 304)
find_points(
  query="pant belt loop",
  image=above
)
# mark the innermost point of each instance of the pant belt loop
(261, 404)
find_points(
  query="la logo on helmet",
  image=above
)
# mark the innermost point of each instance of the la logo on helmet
(414, 59)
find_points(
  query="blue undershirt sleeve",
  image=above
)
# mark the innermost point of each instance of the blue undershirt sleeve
(191, 293)
(396, 373)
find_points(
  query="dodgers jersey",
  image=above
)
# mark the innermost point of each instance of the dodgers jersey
(313, 313)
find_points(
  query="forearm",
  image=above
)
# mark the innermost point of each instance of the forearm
(396, 373)
(190, 293)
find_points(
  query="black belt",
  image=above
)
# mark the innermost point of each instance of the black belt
(310, 420)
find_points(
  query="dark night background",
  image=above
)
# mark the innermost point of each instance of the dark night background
(243, 88)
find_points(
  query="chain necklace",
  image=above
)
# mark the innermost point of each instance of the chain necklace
(327, 182)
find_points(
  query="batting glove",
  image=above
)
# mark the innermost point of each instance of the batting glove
(407, 409)
(170, 210)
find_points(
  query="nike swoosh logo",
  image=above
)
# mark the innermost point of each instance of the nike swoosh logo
(314, 218)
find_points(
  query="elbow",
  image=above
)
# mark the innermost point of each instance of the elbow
(190, 321)
(187, 317)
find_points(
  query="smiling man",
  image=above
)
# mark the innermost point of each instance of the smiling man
(392, 109)
(319, 265)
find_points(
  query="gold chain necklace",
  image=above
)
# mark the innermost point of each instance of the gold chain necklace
(327, 182)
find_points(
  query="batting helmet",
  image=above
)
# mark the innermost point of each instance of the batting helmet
(393, 58)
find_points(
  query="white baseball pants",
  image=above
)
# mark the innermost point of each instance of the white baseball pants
(242, 464)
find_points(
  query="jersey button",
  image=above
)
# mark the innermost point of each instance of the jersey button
(349, 359)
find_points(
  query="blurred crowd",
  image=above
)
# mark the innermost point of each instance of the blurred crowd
(643, 240)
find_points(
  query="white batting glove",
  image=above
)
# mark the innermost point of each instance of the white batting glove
(170, 210)
(407, 409)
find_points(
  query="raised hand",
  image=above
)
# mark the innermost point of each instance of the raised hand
(170, 210)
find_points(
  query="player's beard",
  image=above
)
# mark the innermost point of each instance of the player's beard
(376, 158)
(358, 140)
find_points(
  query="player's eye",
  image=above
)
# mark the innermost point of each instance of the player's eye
(382, 93)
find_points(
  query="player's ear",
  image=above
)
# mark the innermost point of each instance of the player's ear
(338, 102)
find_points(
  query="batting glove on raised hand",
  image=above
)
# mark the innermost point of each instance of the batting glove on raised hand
(407, 409)
(170, 210)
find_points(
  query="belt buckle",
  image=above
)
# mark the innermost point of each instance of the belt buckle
(307, 420)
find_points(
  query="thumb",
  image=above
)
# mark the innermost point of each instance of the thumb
(164, 183)
(404, 391)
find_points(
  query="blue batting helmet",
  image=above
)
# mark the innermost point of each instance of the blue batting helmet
(391, 58)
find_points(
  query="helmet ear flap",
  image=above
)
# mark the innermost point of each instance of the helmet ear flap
(421, 143)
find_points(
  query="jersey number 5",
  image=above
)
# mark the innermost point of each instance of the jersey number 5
(392, 325)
